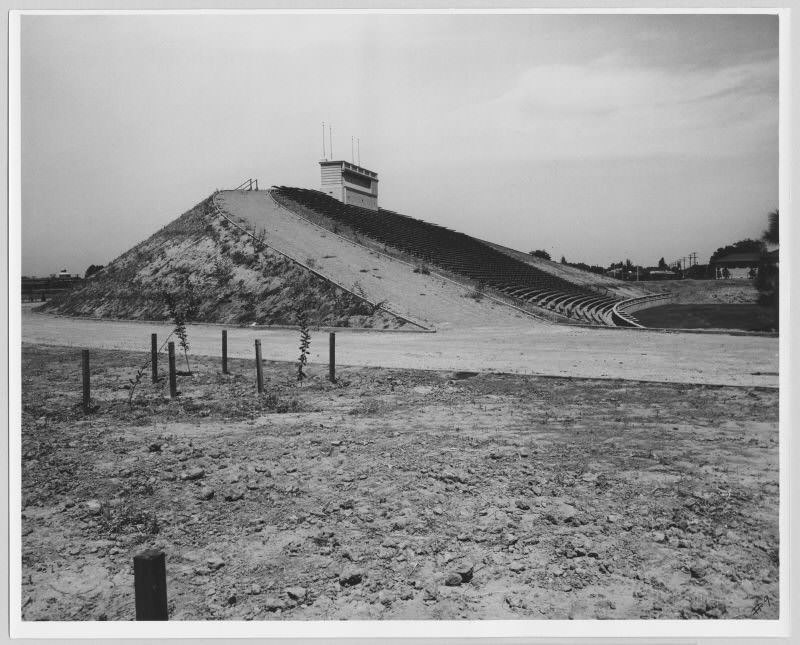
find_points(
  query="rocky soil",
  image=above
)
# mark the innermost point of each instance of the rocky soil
(395, 494)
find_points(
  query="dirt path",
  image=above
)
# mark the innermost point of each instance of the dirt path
(396, 494)
(552, 350)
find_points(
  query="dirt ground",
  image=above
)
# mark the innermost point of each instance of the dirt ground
(395, 494)
(540, 349)
(748, 317)
(705, 292)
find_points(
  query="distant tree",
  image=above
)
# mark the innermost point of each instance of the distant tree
(563, 260)
(770, 235)
(742, 246)
(540, 253)
(662, 264)
(767, 281)
(93, 268)
(586, 267)
(629, 265)
(698, 272)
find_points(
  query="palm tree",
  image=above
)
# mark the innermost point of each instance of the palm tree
(770, 236)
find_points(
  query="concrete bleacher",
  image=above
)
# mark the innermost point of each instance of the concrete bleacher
(460, 254)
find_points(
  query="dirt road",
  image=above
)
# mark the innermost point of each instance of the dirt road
(547, 350)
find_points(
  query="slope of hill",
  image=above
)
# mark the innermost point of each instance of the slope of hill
(261, 257)
(205, 262)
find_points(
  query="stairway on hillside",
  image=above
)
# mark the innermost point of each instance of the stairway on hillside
(432, 300)
(460, 254)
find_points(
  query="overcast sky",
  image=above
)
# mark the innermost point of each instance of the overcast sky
(595, 137)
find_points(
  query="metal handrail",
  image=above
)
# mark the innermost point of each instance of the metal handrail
(619, 313)
(249, 183)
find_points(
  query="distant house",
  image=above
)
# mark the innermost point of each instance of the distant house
(662, 274)
(737, 265)
(65, 274)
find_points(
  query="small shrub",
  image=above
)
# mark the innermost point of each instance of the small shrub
(305, 342)
(238, 257)
(223, 270)
(477, 293)
(183, 306)
(423, 269)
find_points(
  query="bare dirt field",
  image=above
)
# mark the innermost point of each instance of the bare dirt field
(396, 494)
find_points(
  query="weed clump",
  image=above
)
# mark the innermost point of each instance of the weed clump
(477, 293)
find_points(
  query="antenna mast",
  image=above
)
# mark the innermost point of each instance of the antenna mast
(330, 137)
(324, 158)
(352, 148)
(359, 151)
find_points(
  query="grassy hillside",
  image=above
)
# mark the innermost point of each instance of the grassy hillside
(207, 264)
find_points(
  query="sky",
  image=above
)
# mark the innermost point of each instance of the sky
(595, 137)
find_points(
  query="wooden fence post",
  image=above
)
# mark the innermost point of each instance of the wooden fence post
(259, 368)
(332, 358)
(86, 384)
(154, 357)
(173, 383)
(224, 351)
(150, 585)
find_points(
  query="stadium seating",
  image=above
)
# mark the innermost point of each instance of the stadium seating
(460, 254)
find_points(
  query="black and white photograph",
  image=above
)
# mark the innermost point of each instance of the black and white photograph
(385, 318)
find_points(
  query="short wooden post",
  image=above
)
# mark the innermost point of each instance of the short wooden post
(154, 357)
(86, 384)
(173, 382)
(259, 368)
(332, 358)
(224, 351)
(150, 585)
